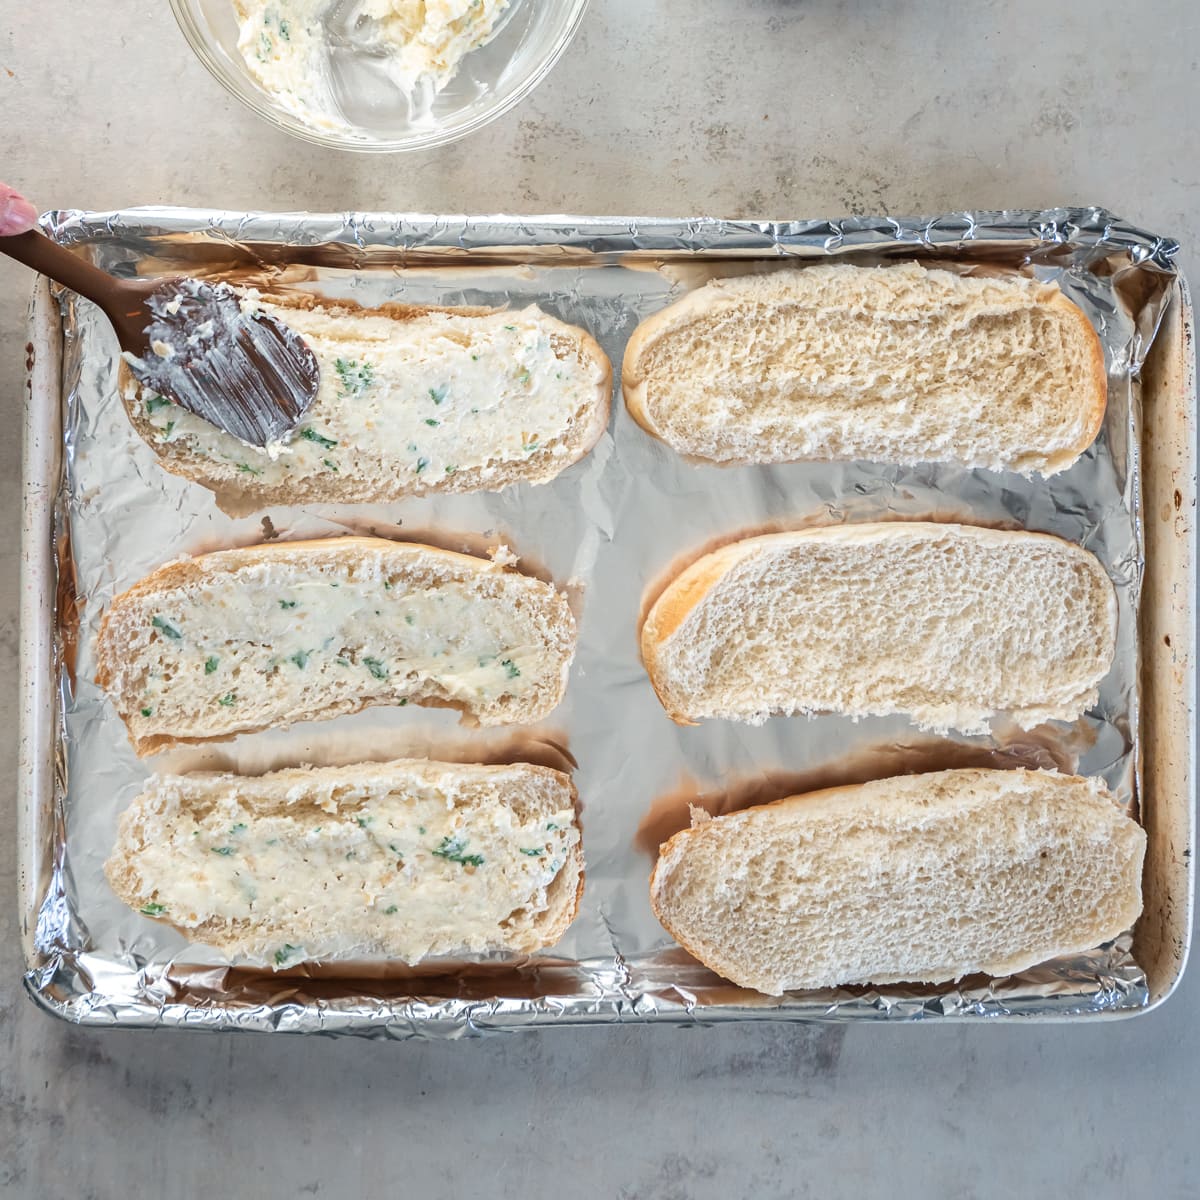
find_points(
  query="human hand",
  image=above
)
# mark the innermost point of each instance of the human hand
(17, 215)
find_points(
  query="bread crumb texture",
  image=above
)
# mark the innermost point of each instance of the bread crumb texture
(949, 624)
(892, 364)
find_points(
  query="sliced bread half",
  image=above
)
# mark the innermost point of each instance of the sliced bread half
(950, 624)
(412, 400)
(893, 364)
(401, 860)
(250, 639)
(919, 879)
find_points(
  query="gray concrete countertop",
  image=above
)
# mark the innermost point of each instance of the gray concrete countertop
(758, 108)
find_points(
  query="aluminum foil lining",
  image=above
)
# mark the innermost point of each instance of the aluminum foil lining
(609, 529)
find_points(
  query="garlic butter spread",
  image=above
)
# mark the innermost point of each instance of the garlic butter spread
(267, 645)
(408, 870)
(286, 45)
(420, 399)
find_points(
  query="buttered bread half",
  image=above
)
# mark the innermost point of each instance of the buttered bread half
(258, 638)
(401, 860)
(949, 624)
(897, 364)
(411, 401)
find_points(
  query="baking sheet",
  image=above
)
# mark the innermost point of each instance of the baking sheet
(611, 529)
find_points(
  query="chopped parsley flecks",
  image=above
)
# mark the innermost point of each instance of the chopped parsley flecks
(375, 667)
(421, 830)
(288, 603)
(551, 827)
(451, 470)
(453, 849)
(248, 469)
(284, 953)
(409, 619)
(355, 378)
(211, 663)
(530, 443)
(432, 422)
(309, 434)
(285, 29)
(223, 851)
(391, 908)
(363, 822)
(534, 852)
(333, 467)
(166, 628)
(155, 403)
(422, 463)
(300, 658)
(511, 328)
(438, 394)
(228, 700)
(510, 668)
(403, 701)
(153, 909)
(147, 712)
(239, 827)
(342, 662)
(523, 375)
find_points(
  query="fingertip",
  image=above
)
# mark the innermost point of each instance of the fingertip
(17, 215)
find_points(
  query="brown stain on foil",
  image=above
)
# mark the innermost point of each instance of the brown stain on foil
(376, 982)
(1044, 748)
(68, 606)
(542, 747)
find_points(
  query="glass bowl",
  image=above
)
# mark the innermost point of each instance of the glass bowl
(529, 39)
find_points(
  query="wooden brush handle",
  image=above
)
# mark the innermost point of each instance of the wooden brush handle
(36, 250)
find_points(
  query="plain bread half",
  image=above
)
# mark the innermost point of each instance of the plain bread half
(895, 364)
(950, 624)
(916, 879)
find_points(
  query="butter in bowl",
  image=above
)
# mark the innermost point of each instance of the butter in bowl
(382, 75)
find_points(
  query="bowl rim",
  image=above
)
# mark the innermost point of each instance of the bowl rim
(259, 102)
